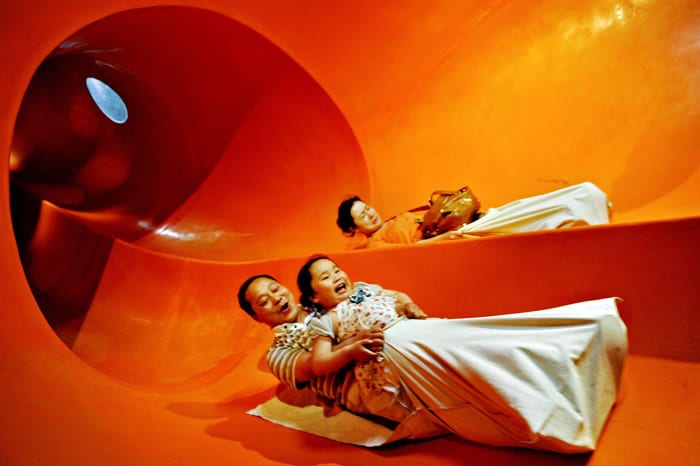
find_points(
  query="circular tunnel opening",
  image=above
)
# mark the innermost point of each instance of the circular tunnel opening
(218, 147)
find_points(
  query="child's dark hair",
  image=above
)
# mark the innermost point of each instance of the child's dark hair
(242, 301)
(304, 281)
(345, 221)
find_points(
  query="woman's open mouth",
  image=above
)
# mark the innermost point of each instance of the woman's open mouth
(284, 307)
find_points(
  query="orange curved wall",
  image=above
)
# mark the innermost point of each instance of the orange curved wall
(388, 102)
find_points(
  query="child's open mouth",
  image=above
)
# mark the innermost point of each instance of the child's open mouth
(341, 288)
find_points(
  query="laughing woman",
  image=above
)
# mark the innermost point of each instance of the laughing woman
(577, 205)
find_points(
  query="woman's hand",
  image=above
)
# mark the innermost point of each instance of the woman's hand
(366, 344)
(371, 338)
(361, 350)
(411, 310)
(406, 307)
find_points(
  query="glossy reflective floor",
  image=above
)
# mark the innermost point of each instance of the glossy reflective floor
(123, 244)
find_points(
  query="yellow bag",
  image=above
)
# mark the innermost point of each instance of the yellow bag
(449, 210)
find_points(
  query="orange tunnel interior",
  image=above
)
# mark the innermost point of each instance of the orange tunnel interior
(123, 243)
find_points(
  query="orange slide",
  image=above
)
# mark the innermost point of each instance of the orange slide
(239, 127)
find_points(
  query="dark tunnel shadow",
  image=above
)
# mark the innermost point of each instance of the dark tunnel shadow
(63, 268)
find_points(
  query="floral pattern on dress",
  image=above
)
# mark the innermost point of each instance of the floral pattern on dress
(376, 310)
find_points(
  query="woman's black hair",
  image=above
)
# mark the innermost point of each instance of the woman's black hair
(246, 305)
(345, 221)
(304, 282)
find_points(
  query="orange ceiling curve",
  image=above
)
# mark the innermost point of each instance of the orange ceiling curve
(123, 245)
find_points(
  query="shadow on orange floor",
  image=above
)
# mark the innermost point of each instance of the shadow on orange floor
(248, 124)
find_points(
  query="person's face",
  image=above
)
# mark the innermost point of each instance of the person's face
(330, 283)
(272, 302)
(366, 219)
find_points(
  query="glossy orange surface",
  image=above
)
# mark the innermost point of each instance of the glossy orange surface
(249, 122)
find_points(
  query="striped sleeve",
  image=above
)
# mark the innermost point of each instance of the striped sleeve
(282, 361)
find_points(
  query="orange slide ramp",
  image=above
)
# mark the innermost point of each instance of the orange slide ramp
(123, 245)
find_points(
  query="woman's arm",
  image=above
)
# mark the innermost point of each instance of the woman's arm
(290, 365)
(302, 369)
(406, 307)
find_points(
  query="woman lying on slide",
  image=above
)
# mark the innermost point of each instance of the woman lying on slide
(289, 358)
(581, 204)
(544, 379)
